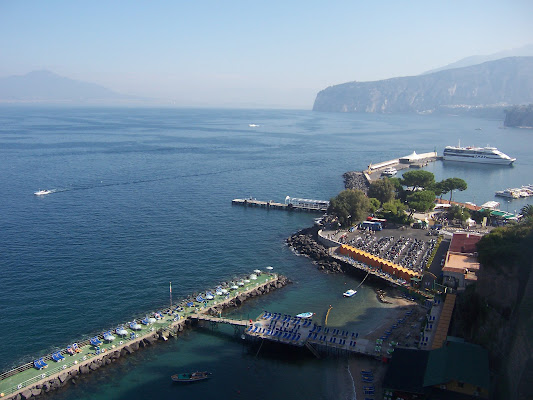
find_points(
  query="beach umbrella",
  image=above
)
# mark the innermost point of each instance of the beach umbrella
(257, 271)
(270, 268)
(247, 281)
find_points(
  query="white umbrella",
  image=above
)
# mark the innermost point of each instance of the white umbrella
(257, 271)
(240, 283)
(247, 281)
(234, 287)
(270, 267)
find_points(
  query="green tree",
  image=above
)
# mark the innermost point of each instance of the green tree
(374, 204)
(421, 201)
(527, 211)
(349, 206)
(451, 184)
(382, 189)
(394, 210)
(418, 179)
(398, 188)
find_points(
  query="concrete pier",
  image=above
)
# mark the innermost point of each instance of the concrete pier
(26, 381)
(291, 204)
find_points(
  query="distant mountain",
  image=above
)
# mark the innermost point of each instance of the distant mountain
(45, 86)
(504, 82)
(525, 51)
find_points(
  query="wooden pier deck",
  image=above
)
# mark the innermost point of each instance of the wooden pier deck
(300, 332)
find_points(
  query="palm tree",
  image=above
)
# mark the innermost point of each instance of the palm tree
(527, 210)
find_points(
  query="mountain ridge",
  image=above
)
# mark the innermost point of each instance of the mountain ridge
(503, 82)
(47, 86)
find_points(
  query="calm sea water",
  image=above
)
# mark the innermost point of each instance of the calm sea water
(143, 197)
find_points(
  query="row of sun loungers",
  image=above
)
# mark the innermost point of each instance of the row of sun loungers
(57, 356)
(40, 364)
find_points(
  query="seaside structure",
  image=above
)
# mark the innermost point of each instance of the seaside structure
(291, 203)
(460, 264)
(401, 275)
(53, 371)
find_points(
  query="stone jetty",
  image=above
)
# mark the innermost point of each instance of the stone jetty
(17, 386)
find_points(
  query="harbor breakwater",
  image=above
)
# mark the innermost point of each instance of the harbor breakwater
(73, 368)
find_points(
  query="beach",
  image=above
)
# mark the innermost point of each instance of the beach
(405, 335)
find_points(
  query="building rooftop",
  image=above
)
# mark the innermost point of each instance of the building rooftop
(464, 242)
(456, 262)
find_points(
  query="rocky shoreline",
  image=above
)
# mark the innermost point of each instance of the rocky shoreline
(355, 180)
(305, 242)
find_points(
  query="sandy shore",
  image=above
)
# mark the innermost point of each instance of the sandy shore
(404, 334)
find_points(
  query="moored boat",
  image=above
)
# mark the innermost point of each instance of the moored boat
(485, 155)
(349, 293)
(305, 315)
(391, 171)
(190, 376)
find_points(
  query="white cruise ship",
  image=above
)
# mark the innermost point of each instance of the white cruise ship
(486, 155)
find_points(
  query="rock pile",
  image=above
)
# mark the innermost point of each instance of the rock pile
(355, 180)
(305, 242)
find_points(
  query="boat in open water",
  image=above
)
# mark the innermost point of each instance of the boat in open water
(42, 192)
(191, 376)
(349, 293)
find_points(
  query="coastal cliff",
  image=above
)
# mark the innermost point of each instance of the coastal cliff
(488, 86)
(519, 116)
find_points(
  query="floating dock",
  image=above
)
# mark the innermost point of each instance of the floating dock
(28, 380)
(303, 332)
(291, 203)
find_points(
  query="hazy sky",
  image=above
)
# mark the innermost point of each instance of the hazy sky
(250, 53)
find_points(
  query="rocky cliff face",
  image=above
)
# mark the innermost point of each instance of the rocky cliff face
(519, 116)
(507, 81)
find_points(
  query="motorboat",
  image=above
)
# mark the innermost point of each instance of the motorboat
(42, 192)
(305, 315)
(349, 293)
(190, 376)
(508, 193)
(391, 171)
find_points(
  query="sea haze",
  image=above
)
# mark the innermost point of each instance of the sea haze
(143, 197)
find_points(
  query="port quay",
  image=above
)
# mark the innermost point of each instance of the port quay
(27, 380)
(291, 203)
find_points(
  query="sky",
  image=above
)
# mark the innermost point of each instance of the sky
(272, 54)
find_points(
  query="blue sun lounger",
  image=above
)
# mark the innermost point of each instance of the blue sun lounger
(57, 357)
(43, 364)
(37, 364)
(95, 342)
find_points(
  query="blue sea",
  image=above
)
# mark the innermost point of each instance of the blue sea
(142, 197)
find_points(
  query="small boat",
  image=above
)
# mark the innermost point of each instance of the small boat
(305, 315)
(190, 376)
(391, 171)
(42, 192)
(349, 293)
